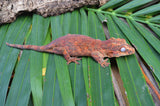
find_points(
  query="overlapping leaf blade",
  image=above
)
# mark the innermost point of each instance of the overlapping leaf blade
(155, 29)
(87, 83)
(76, 71)
(151, 57)
(110, 3)
(8, 56)
(3, 30)
(155, 19)
(38, 34)
(148, 10)
(49, 83)
(148, 36)
(128, 66)
(20, 90)
(100, 78)
(132, 4)
(62, 72)
(84, 31)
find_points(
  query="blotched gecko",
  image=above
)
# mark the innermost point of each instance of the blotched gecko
(80, 45)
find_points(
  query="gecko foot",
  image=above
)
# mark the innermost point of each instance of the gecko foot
(73, 59)
(104, 63)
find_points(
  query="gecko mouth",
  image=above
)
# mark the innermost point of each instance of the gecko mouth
(132, 51)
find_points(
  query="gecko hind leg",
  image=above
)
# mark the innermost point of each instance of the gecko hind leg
(62, 50)
(99, 58)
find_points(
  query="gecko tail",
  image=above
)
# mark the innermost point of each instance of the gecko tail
(29, 47)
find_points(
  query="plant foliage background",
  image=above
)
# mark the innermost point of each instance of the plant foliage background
(22, 82)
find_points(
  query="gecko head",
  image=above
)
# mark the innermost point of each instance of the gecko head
(118, 47)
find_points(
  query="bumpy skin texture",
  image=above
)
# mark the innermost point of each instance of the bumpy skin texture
(80, 45)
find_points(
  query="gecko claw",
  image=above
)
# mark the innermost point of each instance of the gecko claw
(73, 59)
(104, 63)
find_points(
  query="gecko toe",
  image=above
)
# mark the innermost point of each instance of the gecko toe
(73, 59)
(104, 63)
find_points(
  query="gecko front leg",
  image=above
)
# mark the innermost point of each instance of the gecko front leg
(62, 50)
(99, 58)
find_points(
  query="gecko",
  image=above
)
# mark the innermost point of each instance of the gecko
(73, 45)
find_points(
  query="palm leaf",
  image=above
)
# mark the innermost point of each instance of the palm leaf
(87, 83)
(15, 33)
(129, 76)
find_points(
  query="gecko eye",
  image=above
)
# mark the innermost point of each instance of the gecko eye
(123, 49)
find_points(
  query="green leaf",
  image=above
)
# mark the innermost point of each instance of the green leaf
(128, 7)
(147, 35)
(3, 30)
(100, 78)
(155, 29)
(46, 55)
(84, 31)
(110, 3)
(148, 10)
(75, 20)
(87, 83)
(155, 19)
(62, 72)
(8, 56)
(76, 71)
(38, 34)
(66, 23)
(151, 57)
(20, 89)
(84, 22)
(101, 17)
(57, 95)
(49, 83)
(132, 77)
(132, 4)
